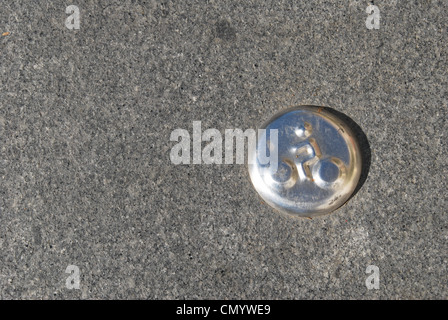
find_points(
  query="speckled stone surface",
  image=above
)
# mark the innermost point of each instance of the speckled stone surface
(85, 173)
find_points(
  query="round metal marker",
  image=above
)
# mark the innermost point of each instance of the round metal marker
(306, 162)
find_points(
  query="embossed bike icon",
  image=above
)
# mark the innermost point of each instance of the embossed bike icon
(303, 162)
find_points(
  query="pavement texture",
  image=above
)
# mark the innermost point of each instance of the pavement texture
(85, 173)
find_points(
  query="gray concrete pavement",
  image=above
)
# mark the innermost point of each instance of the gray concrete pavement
(85, 173)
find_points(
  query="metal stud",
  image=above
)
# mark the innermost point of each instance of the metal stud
(315, 162)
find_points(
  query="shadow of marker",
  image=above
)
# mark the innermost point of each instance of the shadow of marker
(364, 146)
